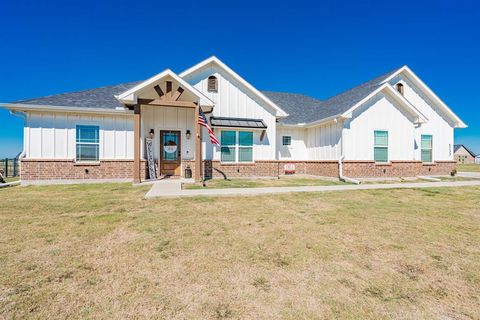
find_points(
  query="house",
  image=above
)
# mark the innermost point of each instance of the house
(393, 125)
(463, 155)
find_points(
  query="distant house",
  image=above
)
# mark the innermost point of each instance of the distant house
(477, 159)
(463, 155)
(393, 125)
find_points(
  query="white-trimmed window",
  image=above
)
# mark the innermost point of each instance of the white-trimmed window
(380, 146)
(236, 146)
(87, 143)
(427, 147)
(287, 140)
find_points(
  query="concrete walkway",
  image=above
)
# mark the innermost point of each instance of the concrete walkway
(475, 175)
(167, 188)
(9, 184)
(173, 188)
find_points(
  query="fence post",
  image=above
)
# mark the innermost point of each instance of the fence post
(6, 167)
(15, 169)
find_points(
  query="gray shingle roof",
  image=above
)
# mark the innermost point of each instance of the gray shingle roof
(102, 97)
(301, 108)
(304, 109)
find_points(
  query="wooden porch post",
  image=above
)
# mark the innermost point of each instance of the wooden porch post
(136, 143)
(198, 146)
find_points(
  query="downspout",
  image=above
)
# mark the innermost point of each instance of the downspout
(341, 177)
(24, 117)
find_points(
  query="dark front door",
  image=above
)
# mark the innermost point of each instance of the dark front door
(170, 153)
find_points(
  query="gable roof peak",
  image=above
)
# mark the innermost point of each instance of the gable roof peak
(213, 59)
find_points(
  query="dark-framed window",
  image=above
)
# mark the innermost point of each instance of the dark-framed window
(286, 140)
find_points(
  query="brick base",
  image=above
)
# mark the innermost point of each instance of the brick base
(365, 169)
(216, 169)
(32, 169)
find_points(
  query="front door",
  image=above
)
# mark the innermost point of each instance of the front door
(170, 153)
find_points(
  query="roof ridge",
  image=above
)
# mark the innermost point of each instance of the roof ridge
(368, 82)
(290, 93)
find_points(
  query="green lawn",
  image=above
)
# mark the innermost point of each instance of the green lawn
(468, 167)
(103, 252)
(264, 182)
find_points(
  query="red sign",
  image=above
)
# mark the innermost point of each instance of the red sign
(289, 168)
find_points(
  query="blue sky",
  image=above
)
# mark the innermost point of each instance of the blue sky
(318, 49)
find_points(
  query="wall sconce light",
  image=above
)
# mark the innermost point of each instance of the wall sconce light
(151, 133)
(188, 134)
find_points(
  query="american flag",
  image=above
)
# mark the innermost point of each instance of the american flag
(202, 120)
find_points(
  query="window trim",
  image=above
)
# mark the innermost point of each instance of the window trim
(431, 148)
(289, 140)
(77, 142)
(237, 147)
(385, 147)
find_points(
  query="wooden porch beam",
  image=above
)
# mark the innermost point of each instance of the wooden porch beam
(168, 94)
(177, 94)
(167, 103)
(159, 91)
(136, 143)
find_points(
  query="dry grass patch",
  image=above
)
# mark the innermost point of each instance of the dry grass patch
(100, 251)
(468, 167)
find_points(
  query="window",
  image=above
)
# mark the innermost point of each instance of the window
(380, 153)
(228, 146)
(88, 143)
(286, 140)
(426, 148)
(400, 88)
(236, 146)
(212, 84)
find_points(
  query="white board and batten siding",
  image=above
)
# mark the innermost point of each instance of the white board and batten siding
(52, 135)
(437, 125)
(169, 118)
(234, 100)
(325, 142)
(381, 114)
(297, 150)
(316, 143)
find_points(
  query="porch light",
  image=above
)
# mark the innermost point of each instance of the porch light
(151, 133)
(188, 134)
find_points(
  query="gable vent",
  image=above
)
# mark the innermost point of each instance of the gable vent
(400, 88)
(212, 84)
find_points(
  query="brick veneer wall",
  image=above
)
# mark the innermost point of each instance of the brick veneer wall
(359, 169)
(33, 169)
(216, 169)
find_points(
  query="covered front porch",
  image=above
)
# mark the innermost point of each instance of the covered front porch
(167, 134)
